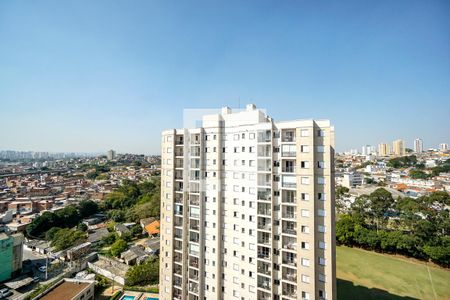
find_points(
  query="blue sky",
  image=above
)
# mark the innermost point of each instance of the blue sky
(94, 75)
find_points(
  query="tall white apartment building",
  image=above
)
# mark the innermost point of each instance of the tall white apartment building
(443, 147)
(247, 209)
(418, 145)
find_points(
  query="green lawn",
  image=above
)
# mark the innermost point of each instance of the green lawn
(368, 275)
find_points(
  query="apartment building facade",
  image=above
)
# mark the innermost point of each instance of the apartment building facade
(247, 209)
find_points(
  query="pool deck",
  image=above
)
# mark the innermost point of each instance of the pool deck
(147, 295)
(136, 295)
(139, 295)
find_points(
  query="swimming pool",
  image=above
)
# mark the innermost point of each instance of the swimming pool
(151, 298)
(127, 297)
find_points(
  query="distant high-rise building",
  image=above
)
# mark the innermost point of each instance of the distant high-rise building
(443, 147)
(248, 209)
(111, 154)
(398, 148)
(418, 145)
(384, 149)
(366, 150)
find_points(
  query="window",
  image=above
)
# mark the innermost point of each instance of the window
(304, 180)
(304, 132)
(305, 213)
(305, 196)
(322, 277)
(305, 295)
(304, 148)
(322, 294)
(236, 137)
(304, 165)
(305, 245)
(322, 245)
(320, 133)
(321, 165)
(320, 180)
(320, 149)
(305, 278)
(322, 261)
(321, 228)
(251, 136)
(321, 213)
(321, 196)
(305, 262)
(305, 229)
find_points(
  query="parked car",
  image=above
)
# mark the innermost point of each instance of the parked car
(42, 269)
(5, 293)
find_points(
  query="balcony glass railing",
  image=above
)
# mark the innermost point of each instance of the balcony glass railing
(265, 195)
(289, 215)
(264, 226)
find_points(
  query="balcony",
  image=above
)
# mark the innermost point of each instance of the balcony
(264, 268)
(289, 197)
(290, 243)
(193, 287)
(289, 215)
(264, 239)
(264, 209)
(264, 223)
(194, 237)
(264, 179)
(195, 139)
(179, 140)
(264, 283)
(178, 211)
(288, 136)
(179, 163)
(194, 200)
(195, 163)
(193, 274)
(264, 252)
(195, 151)
(289, 259)
(178, 245)
(194, 225)
(177, 281)
(290, 275)
(177, 295)
(178, 199)
(264, 194)
(178, 175)
(193, 262)
(178, 270)
(195, 175)
(178, 233)
(264, 136)
(178, 222)
(264, 150)
(179, 187)
(194, 187)
(289, 228)
(179, 151)
(289, 290)
(264, 165)
(263, 295)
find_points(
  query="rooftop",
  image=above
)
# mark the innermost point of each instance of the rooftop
(65, 290)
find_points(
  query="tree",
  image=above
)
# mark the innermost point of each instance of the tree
(417, 174)
(82, 227)
(118, 247)
(87, 208)
(143, 274)
(65, 238)
(381, 202)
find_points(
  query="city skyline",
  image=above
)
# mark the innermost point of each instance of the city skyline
(83, 77)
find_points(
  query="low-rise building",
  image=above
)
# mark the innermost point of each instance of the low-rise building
(10, 255)
(70, 289)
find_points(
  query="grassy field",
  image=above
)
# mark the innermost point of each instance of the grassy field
(368, 275)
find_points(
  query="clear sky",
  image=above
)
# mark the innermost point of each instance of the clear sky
(94, 75)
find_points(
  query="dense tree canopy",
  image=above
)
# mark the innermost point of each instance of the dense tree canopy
(414, 227)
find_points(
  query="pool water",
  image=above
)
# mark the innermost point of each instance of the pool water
(151, 298)
(127, 297)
